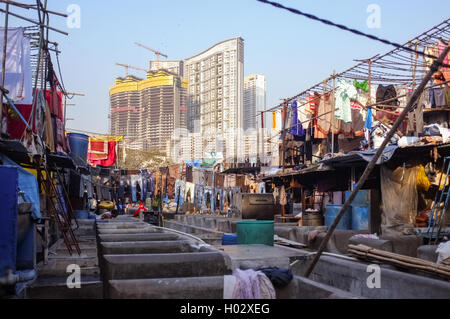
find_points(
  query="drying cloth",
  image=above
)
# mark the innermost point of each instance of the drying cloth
(261, 188)
(18, 76)
(283, 196)
(247, 284)
(344, 93)
(276, 193)
(266, 289)
(229, 283)
(325, 113)
(302, 114)
(296, 125)
(280, 277)
(361, 85)
(98, 149)
(443, 253)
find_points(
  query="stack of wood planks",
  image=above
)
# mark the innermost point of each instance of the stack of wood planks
(372, 254)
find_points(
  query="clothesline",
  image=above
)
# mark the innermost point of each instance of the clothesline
(433, 35)
(381, 103)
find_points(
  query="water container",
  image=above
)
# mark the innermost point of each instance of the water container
(361, 199)
(255, 232)
(313, 218)
(331, 213)
(79, 144)
(360, 217)
(229, 239)
(81, 214)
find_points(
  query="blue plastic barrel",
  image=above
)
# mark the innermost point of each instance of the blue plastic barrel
(229, 239)
(79, 144)
(360, 217)
(331, 213)
(81, 214)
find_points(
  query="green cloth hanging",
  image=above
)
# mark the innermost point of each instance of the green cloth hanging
(363, 86)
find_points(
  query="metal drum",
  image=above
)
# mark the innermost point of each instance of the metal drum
(312, 218)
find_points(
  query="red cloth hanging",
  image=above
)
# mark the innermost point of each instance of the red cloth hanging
(54, 100)
(15, 126)
(112, 156)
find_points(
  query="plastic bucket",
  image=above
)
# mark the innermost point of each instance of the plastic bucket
(331, 213)
(229, 239)
(79, 144)
(360, 217)
(257, 232)
(81, 214)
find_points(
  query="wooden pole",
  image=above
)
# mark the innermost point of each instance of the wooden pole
(434, 68)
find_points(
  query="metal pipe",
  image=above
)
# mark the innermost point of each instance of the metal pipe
(5, 42)
(35, 22)
(374, 160)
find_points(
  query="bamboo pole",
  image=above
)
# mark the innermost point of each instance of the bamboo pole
(434, 68)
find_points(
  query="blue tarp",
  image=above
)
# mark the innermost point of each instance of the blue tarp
(196, 163)
(27, 184)
(388, 152)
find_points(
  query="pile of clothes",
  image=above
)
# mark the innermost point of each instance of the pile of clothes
(259, 284)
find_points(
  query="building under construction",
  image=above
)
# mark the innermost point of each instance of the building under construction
(147, 111)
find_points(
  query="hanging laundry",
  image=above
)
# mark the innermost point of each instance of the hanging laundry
(439, 97)
(97, 149)
(54, 99)
(18, 75)
(16, 127)
(447, 96)
(296, 125)
(441, 47)
(112, 156)
(274, 120)
(325, 113)
(361, 85)
(344, 93)
(357, 122)
(432, 50)
(369, 119)
(386, 93)
(48, 130)
(283, 196)
(303, 115)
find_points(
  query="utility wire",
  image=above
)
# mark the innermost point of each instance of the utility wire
(343, 27)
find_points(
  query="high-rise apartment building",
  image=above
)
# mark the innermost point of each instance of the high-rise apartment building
(254, 101)
(173, 66)
(215, 96)
(125, 102)
(148, 111)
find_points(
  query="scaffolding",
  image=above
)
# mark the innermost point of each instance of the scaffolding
(49, 177)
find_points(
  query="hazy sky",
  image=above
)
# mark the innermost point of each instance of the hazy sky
(293, 52)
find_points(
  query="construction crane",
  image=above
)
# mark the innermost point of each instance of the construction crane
(126, 66)
(157, 53)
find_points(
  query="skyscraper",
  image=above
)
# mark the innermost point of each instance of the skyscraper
(148, 111)
(254, 101)
(215, 96)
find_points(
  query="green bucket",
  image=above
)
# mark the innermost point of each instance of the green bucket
(255, 232)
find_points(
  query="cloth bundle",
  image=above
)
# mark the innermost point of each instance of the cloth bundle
(248, 284)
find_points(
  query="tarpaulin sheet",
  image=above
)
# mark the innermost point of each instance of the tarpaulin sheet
(27, 184)
(399, 199)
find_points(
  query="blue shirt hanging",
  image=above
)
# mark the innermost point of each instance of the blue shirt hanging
(296, 125)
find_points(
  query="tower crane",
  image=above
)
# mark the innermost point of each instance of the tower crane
(157, 53)
(126, 66)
